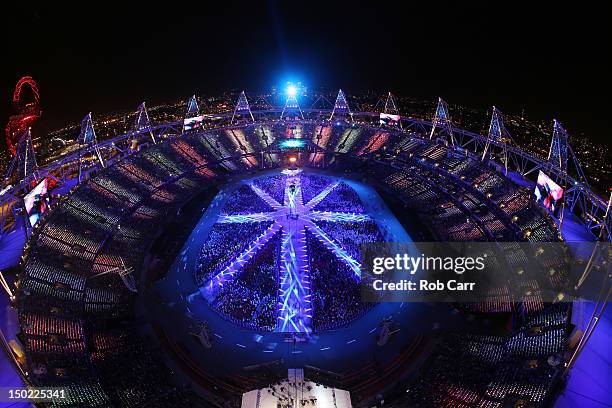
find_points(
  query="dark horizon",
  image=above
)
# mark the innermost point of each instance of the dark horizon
(550, 62)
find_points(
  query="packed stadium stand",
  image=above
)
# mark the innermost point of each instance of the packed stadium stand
(90, 258)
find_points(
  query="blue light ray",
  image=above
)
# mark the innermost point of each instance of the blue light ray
(319, 197)
(336, 249)
(337, 216)
(242, 218)
(229, 273)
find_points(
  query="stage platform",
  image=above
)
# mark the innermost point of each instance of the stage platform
(297, 392)
(340, 350)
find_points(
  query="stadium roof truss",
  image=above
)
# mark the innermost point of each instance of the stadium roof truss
(242, 107)
(322, 104)
(291, 104)
(388, 106)
(23, 165)
(88, 143)
(193, 110)
(142, 125)
(497, 133)
(192, 107)
(442, 120)
(341, 106)
(580, 199)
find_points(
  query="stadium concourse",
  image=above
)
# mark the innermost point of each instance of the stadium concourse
(198, 261)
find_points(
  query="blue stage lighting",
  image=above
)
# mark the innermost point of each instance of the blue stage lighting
(292, 144)
(291, 90)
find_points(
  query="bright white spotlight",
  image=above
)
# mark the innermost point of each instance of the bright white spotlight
(291, 90)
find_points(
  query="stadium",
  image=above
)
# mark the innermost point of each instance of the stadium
(214, 258)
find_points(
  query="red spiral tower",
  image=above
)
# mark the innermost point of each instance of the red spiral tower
(27, 111)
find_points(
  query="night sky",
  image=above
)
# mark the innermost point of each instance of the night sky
(105, 58)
